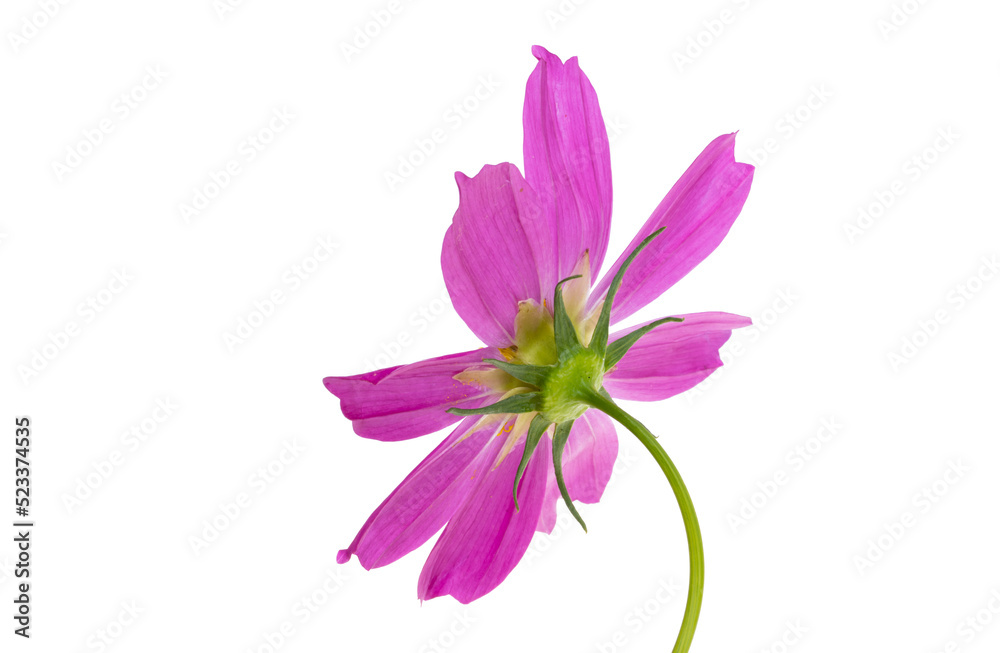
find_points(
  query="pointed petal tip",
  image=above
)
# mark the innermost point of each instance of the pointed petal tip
(424, 594)
(542, 54)
(505, 167)
(729, 141)
(343, 556)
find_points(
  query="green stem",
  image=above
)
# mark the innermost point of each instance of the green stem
(696, 583)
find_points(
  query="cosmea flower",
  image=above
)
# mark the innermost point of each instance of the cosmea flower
(518, 261)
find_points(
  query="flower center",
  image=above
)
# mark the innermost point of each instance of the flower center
(568, 371)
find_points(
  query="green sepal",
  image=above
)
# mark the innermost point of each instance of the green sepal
(599, 341)
(618, 348)
(533, 374)
(565, 334)
(558, 444)
(535, 431)
(521, 403)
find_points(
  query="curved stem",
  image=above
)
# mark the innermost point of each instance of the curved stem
(696, 583)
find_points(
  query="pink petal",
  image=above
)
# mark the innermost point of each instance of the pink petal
(487, 258)
(423, 502)
(671, 358)
(567, 161)
(588, 460)
(697, 213)
(406, 401)
(487, 537)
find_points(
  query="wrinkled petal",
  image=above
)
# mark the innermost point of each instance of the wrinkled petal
(697, 213)
(567, 161)
(424, 501)
(588, 461)
(487, 258)
(487, 537)
(671, 358)
(406, 401)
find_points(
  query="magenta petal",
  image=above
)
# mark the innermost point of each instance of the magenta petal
(588, 461)
(567, 161)
(487, 258)
(487, 537)
(671, 358)
(697, 213)
(404, 402)
(423, 502)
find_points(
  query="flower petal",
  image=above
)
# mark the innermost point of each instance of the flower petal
(697, 213)
(567, 161)
(588, 460)
(487, 537)
(403, 402)
(671, 358)
(424, 501)
(487, 258)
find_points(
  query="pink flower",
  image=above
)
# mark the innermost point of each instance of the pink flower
(513, 238)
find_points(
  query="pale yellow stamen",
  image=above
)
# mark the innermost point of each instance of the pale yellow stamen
(517, 433)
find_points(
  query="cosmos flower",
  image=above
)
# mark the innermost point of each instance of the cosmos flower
(519, 261)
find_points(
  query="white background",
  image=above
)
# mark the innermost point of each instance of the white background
(831, 306)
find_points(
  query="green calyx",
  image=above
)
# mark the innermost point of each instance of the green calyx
(565, 389)
(561, 391)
